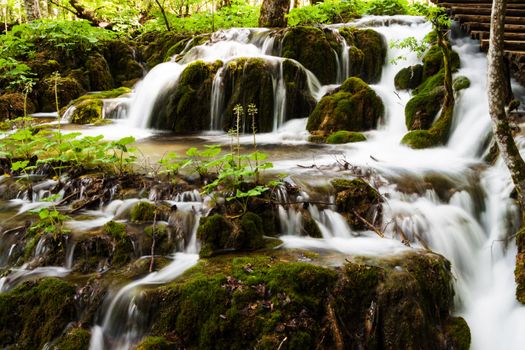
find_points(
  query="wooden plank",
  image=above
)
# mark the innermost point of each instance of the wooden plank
(486, 19)
(463, 10)
(482, 34)
(512, 45)
(475, 1)
(516, 28)
(481, 6)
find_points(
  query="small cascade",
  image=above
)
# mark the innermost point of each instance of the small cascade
(217, 100)
(343, 57)
(279, 97)
(123, 324)
(115, 108)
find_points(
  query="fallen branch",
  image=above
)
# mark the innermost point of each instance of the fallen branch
(368, 224)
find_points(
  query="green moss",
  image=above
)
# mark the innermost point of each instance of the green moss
(181, 109)
(249, 80)
(251, 233)
(461, 83)
(458, 332)
(213, 232)
(358, 199)
(75, 339)
(373, 50)
(87, 111)
(409, 77)
(419, 139)
(155, 343)
(68, 89)
(115, 229)
(121, 59)
(311, 47)
(100, 78)
(433, 61)
(344, 136)
(33, 314)
(421, 110)
(299, 101)
(354, 106)
(164, 244)
(317, 139)
(104, 94)
(143, 211)
(187, 44)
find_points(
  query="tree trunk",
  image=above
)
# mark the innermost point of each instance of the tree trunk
(32, 8)
(273, 13)
(495, 84)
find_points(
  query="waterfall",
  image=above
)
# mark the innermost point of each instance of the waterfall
(123, 324)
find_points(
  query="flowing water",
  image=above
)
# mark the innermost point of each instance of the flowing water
(447, 198)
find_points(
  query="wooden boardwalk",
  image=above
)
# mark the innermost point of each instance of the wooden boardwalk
(474, 17)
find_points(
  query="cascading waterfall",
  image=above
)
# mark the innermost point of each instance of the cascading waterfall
(123, 324)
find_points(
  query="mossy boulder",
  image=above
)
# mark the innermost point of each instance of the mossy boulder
(357, 200)
(12, 105)
(165, 243)
(35, 313)
(155, 343)
(311, 47)
(299, 102)
(154, 45)
(354, 106)
(258, 301)
(246, 81)
(310, 227)
(185, 108)
(74, 339)
(433, 61)
(68, 89)
(87, 111)
(458, 333)
(344, 136)
(122, 244)
(423, 108)
(420, 139)
(373, 49)
(122, 62)
(217, 234)
(461, 83)
(97, 68)
(409, 78)
(143, 211)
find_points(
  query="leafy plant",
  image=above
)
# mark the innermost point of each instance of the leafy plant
(50, 219)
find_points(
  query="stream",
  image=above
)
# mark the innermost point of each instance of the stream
(446, 199)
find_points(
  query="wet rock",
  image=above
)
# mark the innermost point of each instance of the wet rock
(458, 333)
(74, 339)
(344, 136)
(155, 343)
(217, 234)
(100, 78)
(12, 105)
(299, 102)
(311, 47)
(461, 83)
(354, 106)
(409, 78)
(122, 62)
(87, 112)
(433, 61)
(358, 201)
(155, 45)
(36, 313)
(372, 46)
(181, 108)
(422, 109)
(68, 89)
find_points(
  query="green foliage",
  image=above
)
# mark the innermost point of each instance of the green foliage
(325, 12)
(387, 7)
(25, 39)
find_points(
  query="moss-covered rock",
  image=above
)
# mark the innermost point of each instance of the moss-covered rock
(258, 301)
(458, 333)
(409, 77)
(249, 80)
(87, 111)
(423, 108)
(310, 227)
(344, 136)
(74, 339)
(122, 62)
(97, 68)
(433, 61)
(373, 48)
(461, 83)
(218, 234)
(420, 139)
(35, 313)
(311, 47)
(122, 244)
(143, 211)
(68, 89)
(357, 200)
(354, 106)
(181, 108)
(12, 105)
(299, 102)
(155, 343)
(155, 45)
(186, 45)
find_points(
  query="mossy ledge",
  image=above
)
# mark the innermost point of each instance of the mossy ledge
(263, 301)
